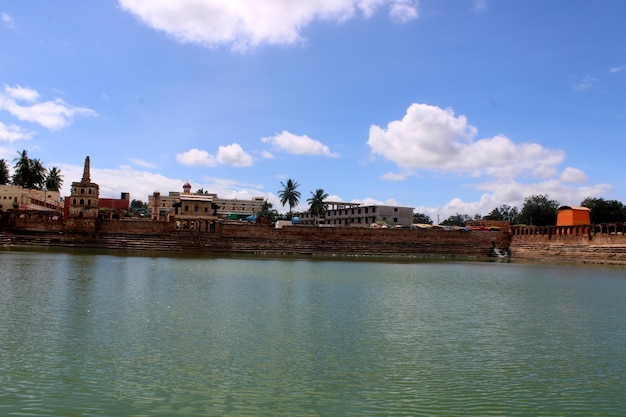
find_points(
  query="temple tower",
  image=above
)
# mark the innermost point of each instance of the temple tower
(83, 201)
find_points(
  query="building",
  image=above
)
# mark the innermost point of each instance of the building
(164, 207)
(114, 208)
(83, 202)
(16, 197)
(573, 216)
(340, 214)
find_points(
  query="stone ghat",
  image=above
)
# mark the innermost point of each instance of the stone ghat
(604, 249)
(295, 240)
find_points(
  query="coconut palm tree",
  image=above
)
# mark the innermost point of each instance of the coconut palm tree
(37, 174)
(4, 172)
(317, 206)
(21, 170)
(289, 194)
(54, 180)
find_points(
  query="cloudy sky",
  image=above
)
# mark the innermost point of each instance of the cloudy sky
(448, 106)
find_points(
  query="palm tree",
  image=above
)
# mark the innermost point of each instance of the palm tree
(54, 180)
(37, 174)
(289, 194)
(317, 206)
(21, 171)
(4, 172)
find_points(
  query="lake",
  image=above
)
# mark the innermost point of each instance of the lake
(86, 333)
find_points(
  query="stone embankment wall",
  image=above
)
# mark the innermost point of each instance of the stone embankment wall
(593, 248)
(299, 240)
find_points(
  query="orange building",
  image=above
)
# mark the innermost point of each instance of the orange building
(573, 216)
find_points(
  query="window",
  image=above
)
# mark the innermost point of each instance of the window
(366, 210)
(88, 202)
(186, 207)
(195, 209)
(89, 191)
(82, 202)
(82, 191)
(74, 201)
(395, 209)
(395, 220)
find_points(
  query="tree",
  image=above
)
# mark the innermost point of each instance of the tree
(21, 170)
(138, 204)
(605, 211)
(37, 174)
(28, 173)
(54, 180)
(289, 194)
(4, 172)
(421, 218)
(317, 206)
(538, 210)
(456, 220)
(267, 211)
(505, 213)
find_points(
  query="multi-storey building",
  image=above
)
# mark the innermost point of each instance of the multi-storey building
(355, 215)
(163, 207)
(16, 197)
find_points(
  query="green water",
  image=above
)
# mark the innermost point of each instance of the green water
(88, 334)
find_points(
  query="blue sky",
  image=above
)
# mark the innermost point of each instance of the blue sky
(448, 106)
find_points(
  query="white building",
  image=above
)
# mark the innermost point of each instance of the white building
(341, 214)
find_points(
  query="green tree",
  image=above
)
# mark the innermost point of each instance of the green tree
(38, 174)
(421, 218)
(267, 211)
(456, 220)
(505, 213)
(605, 211)
(4, 172)
(289, 194)
(138, 204)
(317, 206)
(538, 210)
(21, 170)
(28, 173)
(54, 179)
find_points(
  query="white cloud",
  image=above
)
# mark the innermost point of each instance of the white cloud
(299, 145)
(403, 11)
(245, 24)
(432, 138)
(513, 193)
(617, 69)
(267, 155)
(395, 176)
(584, 83)
(7, 21)
(12, 133)
(142, 163)
(53, 115)
(234, 155)
(480, 5)
(196, 156)
(573, 175)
